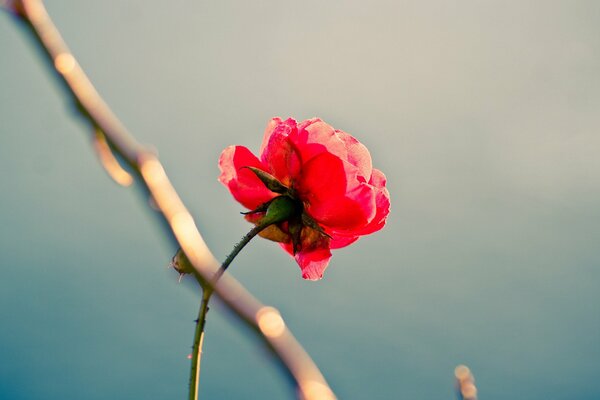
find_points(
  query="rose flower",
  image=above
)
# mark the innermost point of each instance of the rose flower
(325, 175)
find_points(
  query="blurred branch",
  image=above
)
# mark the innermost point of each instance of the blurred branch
(465, 383)
(109, 161)
(147, 170)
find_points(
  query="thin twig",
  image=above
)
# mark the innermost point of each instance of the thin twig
(150, 173)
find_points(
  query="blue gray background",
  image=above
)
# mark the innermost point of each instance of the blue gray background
(483, 114)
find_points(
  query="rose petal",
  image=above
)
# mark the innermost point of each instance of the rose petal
(382, 202)
(378, 179)
(271, 125)
(335, 196)
(338, 241)
(314, 137)
(358, 154)
(279, 155)
(243, 184)
(288, 247)
(313, 263)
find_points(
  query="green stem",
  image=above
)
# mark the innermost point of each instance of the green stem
(201, 321)
(197, 347)
(238, 247)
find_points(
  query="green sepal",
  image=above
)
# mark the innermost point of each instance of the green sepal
(282, 208)
(269, 180)
(311, 223)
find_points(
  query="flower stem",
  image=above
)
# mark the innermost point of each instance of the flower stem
(197, 347)
(201, 321)
(238, 247)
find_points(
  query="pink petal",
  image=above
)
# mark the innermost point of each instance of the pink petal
(338, 241)
(382, 202)
(358, 154)
(378, 179)
(315, 137)
(271, 125)
(274, 125)
(336, 197)
(243, 184)
(288, 247)
(279, 155)
(313, 263)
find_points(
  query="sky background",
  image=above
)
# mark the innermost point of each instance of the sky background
(484, 115)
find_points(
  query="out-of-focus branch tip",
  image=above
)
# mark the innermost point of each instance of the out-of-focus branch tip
(109, 161)
(465, 383)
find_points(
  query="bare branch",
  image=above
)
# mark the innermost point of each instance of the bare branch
(148, 170)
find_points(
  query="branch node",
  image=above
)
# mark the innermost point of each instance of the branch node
(108, 160)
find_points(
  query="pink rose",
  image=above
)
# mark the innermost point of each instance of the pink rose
(326, 172)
